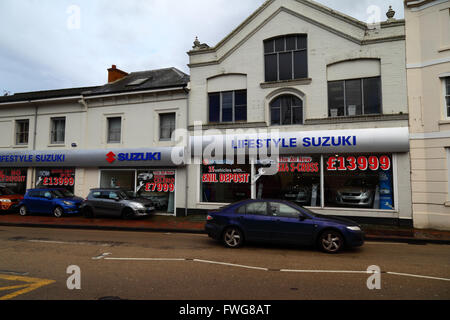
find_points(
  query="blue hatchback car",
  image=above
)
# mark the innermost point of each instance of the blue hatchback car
(50, 201)
(282, 222)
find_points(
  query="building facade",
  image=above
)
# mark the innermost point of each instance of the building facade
(428, 69)
(116, 135)
(326, 91)
(299, 102)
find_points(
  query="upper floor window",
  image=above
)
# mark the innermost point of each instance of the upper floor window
(286, 110)
(114, 129)
(22, 132)
(447, 95)
(228, 106)
(354, 97)
(58, 131)
(286, 58)
(167, 125)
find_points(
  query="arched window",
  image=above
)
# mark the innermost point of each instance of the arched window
(286, 110)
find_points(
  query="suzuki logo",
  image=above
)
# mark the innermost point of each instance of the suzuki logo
(111, 157)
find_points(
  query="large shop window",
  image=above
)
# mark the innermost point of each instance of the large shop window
(286, 110)
(56, 178)
(15, 179)
(229, 106)
(359, 181)
(298, 180)
(225, 181)
(286, 58)
(354, 97)
(155, 185)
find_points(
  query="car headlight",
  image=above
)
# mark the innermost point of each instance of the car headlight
(5, 200)
(354, 228)
(137, 206)
(68, 203)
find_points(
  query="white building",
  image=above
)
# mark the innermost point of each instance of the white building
(316, 76)
(326, 91)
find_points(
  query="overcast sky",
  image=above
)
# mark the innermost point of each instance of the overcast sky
(54, 44)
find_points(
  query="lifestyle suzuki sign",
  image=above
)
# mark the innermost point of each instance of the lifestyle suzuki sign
(154, 157)
(307, 142)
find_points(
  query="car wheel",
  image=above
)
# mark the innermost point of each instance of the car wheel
(331, 241)
(88, 213)
(127, 213)
(233, 238)
(58, 212)
(23, 211)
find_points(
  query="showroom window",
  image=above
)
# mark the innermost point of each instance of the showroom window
(286, 58)
(56, 178)
(298, 181)
(354, 97)
(153, 184)
(359, 181)
(167, 125)
(229, 106)
(15, 179)
(22, 132)
(286, 110)
(58, 131)
(114, 130)
(225, 181)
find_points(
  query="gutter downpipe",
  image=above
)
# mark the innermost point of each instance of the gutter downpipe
(187, 152)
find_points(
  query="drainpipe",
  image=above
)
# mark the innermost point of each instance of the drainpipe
(188, 145)
(33, 174)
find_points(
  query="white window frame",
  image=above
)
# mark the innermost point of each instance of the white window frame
(16, 128)
(160, 123)
(107, 129)
(52, 121)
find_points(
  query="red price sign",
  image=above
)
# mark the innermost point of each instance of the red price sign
(298, 167)
(372, 163)
(59, 182)
(160, 187)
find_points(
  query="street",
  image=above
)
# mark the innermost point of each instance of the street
(34, 265)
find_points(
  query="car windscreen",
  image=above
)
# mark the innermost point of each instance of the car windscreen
(62, 193)
(303, 209)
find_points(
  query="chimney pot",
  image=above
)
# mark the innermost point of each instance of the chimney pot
(115, 74)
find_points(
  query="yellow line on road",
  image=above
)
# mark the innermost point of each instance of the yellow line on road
(32, 284)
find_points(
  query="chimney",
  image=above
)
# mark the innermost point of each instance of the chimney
(115, 74)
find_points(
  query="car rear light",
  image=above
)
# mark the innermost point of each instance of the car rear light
(209, 218)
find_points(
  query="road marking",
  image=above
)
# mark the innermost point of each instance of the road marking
(231, 265)
(105, 244)
(31, 285)
(103, 255)
(275, 270)
(146, 259)
(417, 276)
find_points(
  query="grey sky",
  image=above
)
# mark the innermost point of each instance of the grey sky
(38, 51)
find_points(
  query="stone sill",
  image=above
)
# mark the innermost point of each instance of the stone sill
(277, 84)
(367, 118)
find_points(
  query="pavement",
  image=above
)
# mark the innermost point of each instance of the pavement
(196, 223)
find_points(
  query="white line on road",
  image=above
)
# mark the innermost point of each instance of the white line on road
(146, 259)
(272, 270)
(231, 265)
(71, 243)
(417, 276)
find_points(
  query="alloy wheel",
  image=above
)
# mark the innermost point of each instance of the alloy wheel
(58, 212)
(233, 238)
(331, 242)
(23, 211)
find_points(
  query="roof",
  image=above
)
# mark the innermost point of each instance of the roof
(47, 94)
(154, 79)
(145, 80)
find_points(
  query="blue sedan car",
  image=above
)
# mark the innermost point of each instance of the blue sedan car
(50, 201)
(283, 222)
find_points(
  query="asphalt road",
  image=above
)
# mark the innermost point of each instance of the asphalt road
(161, 266)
